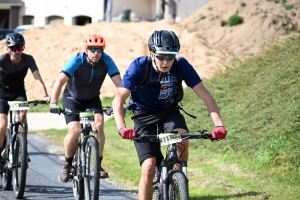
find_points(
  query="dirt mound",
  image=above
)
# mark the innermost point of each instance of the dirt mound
(206, 44)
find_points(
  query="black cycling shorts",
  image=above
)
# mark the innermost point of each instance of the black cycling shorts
(11, 96)
(148, 123)
(73, 104)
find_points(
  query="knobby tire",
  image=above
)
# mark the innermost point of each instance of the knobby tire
(78, 184)
(20, 170)
(6, 174)
(91, 180)
(178, 188)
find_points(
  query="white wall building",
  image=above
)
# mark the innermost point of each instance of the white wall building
(79, 12)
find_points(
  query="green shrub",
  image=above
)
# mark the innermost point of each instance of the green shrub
(201, 17)
(288, 7)
(235, 20)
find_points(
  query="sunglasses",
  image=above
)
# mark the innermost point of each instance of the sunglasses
(17, 48)
(165, 57)
(93, 50)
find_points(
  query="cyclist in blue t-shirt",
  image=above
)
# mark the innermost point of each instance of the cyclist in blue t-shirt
(155, 105)
(84, 74)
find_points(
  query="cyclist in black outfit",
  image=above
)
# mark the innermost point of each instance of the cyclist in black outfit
(13, 69)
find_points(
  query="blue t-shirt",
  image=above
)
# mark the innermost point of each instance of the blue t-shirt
(85, 79)
(152, 97)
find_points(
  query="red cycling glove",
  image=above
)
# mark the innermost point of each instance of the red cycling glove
(219, 132)
(127, 133)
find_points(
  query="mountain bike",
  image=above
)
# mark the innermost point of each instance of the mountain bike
(14, 162)
(85, 171)
(171, 183)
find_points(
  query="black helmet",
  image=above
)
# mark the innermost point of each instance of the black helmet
(164, 42)
(15, 39)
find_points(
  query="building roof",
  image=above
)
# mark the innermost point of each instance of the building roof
(12, 2)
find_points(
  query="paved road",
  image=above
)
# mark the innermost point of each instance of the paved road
(42, 182)
(44, 121)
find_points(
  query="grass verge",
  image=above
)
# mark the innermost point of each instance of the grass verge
(260, 104)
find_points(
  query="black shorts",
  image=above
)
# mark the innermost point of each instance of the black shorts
(73, 104)
(11, 96)
(148, 123)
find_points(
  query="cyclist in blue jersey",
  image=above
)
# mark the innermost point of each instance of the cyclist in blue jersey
(155, 105)
(84, 74)
(14, 66)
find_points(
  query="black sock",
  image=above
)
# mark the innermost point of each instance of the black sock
(69, 160)
(100, 159)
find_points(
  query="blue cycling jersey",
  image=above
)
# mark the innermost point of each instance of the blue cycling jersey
(153, 97)
(85, 79)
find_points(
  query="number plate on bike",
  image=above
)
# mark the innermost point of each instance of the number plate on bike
(86, 117)
(18, 105)
(169, 138)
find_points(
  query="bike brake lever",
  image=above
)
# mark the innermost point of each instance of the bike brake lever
(109, 111)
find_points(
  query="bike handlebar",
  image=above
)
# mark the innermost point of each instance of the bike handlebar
(173, 136)
(106, 110)
(36, 102)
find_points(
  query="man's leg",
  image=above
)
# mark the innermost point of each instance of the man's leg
(161, 14)
(182, 153)
(109, 10)
(104, 10)
(70, 145)
(23, 119)
(172, 10)
(3, 127)
(99, 122)
(146, 181)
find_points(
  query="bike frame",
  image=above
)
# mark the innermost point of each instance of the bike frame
(79, 170)
(168, 171)
(171, 158)
(14, 130)
(84, 135)
(16, 160)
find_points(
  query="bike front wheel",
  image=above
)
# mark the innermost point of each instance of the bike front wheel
(20, 168)
(78, 185)
(6, 174)
(92, 167)
(158, 194)
(178, 188)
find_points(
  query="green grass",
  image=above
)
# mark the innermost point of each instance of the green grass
(259, 101)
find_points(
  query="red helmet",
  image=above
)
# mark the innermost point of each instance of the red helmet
(94, 41)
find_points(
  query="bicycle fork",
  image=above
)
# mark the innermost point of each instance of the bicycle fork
(12, 140)
(167, 173)
(82, 153)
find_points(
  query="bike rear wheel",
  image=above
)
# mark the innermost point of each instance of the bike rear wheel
(20, 168)
(178, 188)
(78, 184)
(92, 166)
(6, 174)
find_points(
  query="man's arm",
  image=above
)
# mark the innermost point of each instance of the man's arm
(210, 102)
(116, 80)
(37, 76)
(118, 109)
(60, 81)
